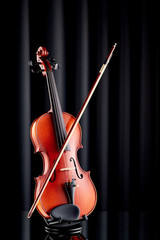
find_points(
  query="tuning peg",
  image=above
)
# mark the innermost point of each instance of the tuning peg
(56, 66)
(33, 63)
(30, 63)
(53, 63)
(34, 67)
(52, 60)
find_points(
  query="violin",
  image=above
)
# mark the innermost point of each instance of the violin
(56, 135)
(48, 133)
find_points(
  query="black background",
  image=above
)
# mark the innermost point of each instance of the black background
(120, 125)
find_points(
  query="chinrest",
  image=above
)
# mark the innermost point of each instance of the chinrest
(66, 212)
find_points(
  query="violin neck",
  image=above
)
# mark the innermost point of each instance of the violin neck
(58, 120)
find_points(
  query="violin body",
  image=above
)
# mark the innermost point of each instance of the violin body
(68, 170)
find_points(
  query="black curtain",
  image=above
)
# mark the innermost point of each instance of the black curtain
(120, 125)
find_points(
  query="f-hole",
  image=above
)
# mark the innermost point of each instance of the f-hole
(79, 176)
(52, 179)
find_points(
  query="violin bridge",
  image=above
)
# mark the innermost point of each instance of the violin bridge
(67, 169)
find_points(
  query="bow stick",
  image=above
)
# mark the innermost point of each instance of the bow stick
(105, 64)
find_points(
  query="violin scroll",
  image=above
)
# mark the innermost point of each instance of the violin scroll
(42, 52)
(43, 63)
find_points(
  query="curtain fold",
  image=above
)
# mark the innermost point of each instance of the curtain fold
(24, 105)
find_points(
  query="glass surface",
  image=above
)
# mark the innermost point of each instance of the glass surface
(100, 226)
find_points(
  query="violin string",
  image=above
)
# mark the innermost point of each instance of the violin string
(58, 128)
(52, 103)
(58, 114)
(56, 111)
(63, 132)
